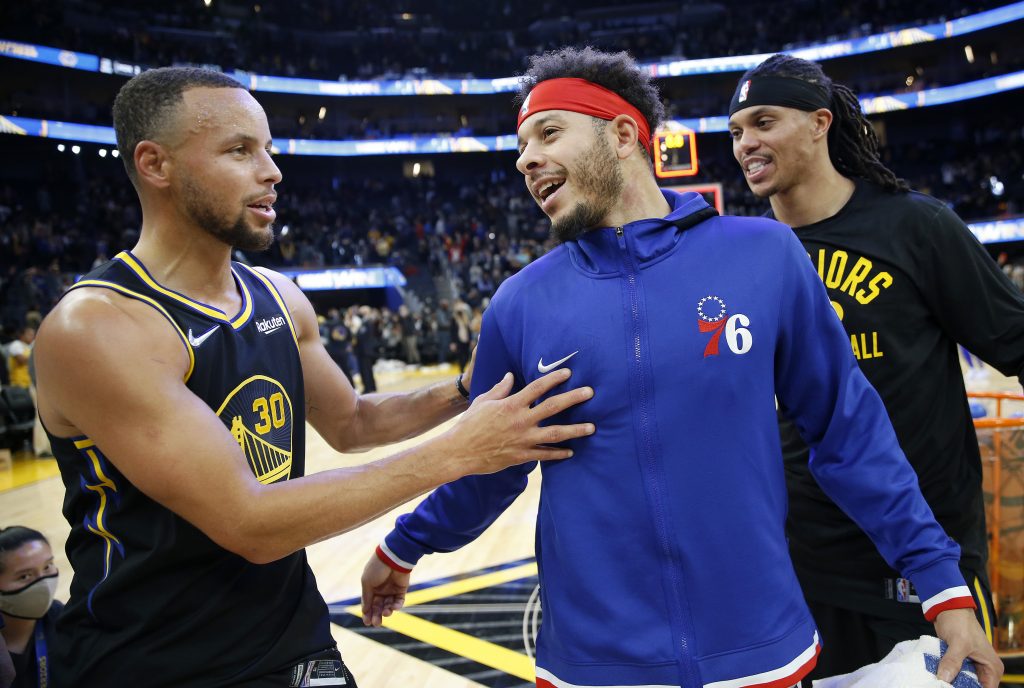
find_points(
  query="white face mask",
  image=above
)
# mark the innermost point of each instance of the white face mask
(31, 601)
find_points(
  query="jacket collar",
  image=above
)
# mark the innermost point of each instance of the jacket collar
(598, 250)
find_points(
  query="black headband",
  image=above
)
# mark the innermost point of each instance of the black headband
(779, 90)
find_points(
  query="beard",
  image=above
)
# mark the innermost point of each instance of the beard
(202, 209)
(598, 178)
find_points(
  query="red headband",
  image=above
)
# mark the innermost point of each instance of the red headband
(585, 97)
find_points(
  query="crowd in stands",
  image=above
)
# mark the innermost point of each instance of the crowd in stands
(370, 39)
(475, 230)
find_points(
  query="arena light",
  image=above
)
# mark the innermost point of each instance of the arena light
(969, 54)
(436, 86)
(60, 147)
(102, 152)
(322, 114)
(76, 149)
(115, 153)
(444, 143)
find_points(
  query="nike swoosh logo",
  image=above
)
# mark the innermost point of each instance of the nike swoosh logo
(541, 368)
(196, 341)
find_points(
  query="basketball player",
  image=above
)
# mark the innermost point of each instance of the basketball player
(175, 386)
(661, 548)
(908, 281)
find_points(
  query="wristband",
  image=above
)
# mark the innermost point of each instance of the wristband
(391, 563)
(462, 390)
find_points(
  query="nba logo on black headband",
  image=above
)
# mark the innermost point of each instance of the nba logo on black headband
(783, 91)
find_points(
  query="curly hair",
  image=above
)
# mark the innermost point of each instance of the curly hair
(618, 72)
(144, 106)
(852, 143)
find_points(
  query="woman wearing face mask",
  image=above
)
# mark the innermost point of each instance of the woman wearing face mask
(28, 580)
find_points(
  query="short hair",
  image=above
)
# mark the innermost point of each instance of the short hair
(852, 143)
(14, 537)
(144, 106)
(618, 72)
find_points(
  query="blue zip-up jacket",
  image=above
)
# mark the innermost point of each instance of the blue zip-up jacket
(661, 543)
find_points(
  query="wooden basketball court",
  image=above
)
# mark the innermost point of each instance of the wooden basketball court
(31, 494)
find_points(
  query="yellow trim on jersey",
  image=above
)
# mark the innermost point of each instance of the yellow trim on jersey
(101, 476)
(277, 297)
(236, 322)
(980, 599)
(152, 302)
(101, 530)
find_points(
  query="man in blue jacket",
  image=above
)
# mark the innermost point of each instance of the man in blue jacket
(688, 326)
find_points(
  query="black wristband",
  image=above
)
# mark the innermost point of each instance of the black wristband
(462, 390)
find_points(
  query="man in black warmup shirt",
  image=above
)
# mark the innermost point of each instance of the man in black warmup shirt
(908, 280)
(175, 386)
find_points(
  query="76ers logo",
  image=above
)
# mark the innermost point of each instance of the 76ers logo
(713, 317)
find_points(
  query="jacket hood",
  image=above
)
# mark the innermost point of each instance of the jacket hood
(598, 251)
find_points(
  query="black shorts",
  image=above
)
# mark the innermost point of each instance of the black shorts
(324, 668)
(853, 638)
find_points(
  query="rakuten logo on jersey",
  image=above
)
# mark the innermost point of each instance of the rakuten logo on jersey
(270, 325)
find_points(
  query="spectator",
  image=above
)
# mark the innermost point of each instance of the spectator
(28, 580)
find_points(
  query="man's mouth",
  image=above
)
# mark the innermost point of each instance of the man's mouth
(756, 169)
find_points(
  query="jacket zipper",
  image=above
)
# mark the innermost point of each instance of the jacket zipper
(655, 489)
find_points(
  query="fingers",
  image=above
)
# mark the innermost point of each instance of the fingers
(950, 665)
(989, 676)
(500, 390)
(990, 667)
(555, 434)
(987, 662)
(560, 402)
(542, 385)
(376, 606)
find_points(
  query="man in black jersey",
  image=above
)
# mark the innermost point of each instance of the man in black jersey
(175, 386)
(909, 281)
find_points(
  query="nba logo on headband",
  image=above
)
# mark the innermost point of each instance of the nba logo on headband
(744, 90)
(526, 106)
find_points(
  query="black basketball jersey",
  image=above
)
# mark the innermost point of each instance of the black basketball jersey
(155, 602)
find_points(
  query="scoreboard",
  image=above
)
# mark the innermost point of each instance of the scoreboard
(675, 153)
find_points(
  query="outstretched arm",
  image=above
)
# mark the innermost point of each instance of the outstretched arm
(356, 422)
(127, 394)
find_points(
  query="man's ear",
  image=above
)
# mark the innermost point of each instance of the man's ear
(821, 122)
(626, 132)
(152, 164)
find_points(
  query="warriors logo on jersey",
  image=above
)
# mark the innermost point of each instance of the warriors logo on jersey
(259, 415)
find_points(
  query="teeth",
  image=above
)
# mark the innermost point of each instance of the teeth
(755, 166)
(543, 191)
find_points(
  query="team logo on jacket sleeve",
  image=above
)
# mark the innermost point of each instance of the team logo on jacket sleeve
(713, 317)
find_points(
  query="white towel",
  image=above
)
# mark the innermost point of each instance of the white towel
(911, 664)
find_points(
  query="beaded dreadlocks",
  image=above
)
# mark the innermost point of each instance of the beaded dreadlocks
(852, 143)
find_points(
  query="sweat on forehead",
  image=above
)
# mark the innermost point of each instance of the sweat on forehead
(206, 109)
